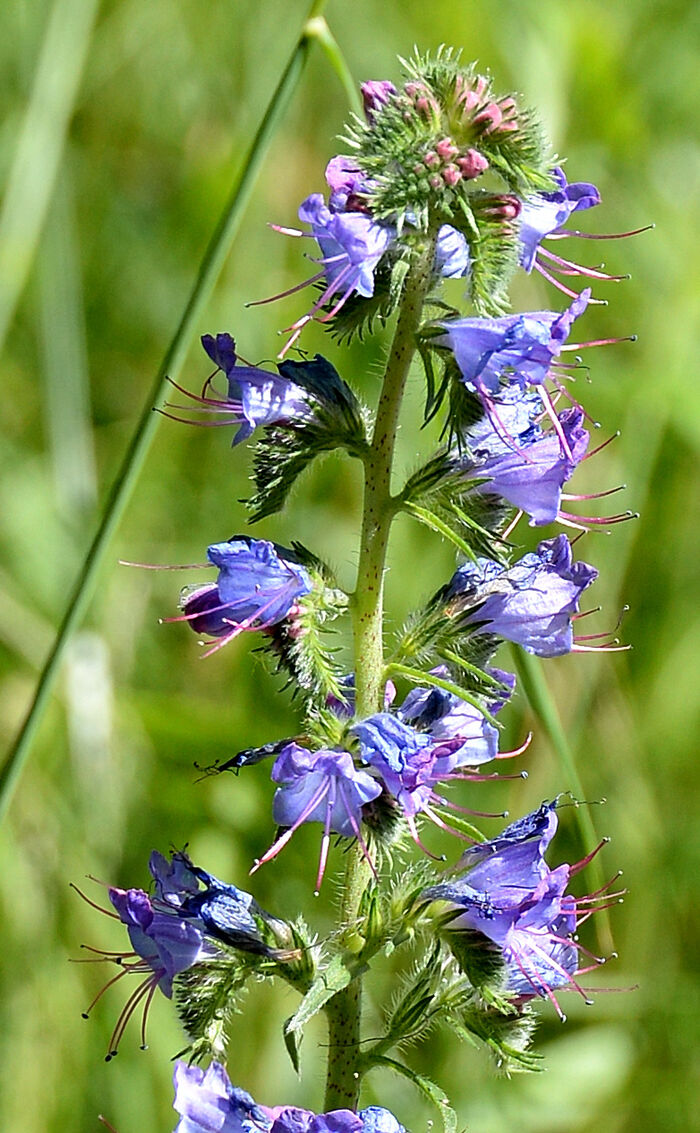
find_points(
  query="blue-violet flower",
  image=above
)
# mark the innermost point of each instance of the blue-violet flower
(531, 603)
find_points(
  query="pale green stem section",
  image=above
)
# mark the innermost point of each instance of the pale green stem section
(542, 703)
(122, 487)
(344, 1009)
(40, 145)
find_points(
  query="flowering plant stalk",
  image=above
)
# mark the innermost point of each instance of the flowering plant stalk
(445, 179)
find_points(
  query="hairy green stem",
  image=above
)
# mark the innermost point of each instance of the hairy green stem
(344, 1009)
(379, 504)
(135, 456)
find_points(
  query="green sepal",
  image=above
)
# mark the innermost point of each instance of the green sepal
(206, 998)
(292, 1042)
(507, 1036)
(482, 963)
(426, 1087)
(299, 641)
(285, 450)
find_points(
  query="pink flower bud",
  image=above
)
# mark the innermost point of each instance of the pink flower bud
(472, 164)
(451, 175)
(446, 148)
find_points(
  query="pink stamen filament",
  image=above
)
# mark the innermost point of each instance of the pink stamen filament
(558, 968)
(159, 566)
(356, 829)
(600, 447)
(290, 290)
(128, 1010)
(551, 413)
(563, 233)
(594, 495)
(512, 525)
(221, 403)
(411, 823)
(326, 839)
(93, 905)
(599, 648)
(114, 979)
(281, 842)
(430, 813)
(577, 269)
(442, 801)
(600, 342)
(578, 866)
(562, 287)
(540, 986)
(517, 750)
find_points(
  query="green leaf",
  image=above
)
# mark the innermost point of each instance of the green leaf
(432, 1092)
(292, 1041)
(340, 972)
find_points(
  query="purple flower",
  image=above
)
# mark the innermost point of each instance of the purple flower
(547, 212)
(403, 757)
(318, 786)
(522, 463)
(182, 924)
(259, 585)
(351, 244)
(513, 898)
(255, 396)
(461, 735)
(452, 260)
(164, 943)
(375, 94)
(530, 603)
(208, 1103)
(520, 347)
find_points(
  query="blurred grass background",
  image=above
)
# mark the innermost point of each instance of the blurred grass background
(159, 103)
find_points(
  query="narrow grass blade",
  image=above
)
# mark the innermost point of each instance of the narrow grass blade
(119, 495)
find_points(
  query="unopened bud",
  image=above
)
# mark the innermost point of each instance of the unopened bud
(472, 164)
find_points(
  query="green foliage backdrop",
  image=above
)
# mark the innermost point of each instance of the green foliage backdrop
(165, 106)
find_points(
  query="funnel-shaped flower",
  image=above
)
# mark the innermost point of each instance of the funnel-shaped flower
(521, 462)
(520, 348)
(544, 213)
(259, 585)
(513, 898)
(531, 602)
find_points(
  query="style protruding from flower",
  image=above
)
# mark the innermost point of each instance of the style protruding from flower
(353, 244)
(531, 603)
(511, 896)
(259, 584)
(320, 786)
(208, 1103)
